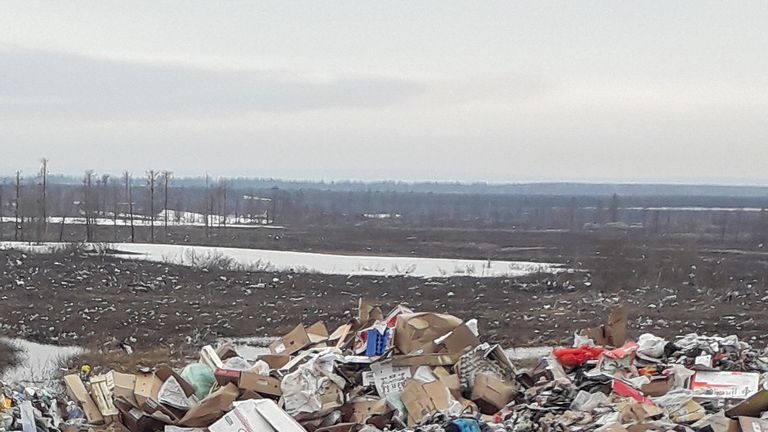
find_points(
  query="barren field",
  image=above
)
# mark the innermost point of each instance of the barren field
(673, 287)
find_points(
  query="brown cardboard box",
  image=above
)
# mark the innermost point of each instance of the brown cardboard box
(491, 394)
(425, 360)
(76, 390)
(753, 406)
(260, 384)
(300, 338)
(210, 408)
(361, 410)
(147, 386)
(124, 386)
(751, 424)
(275, 361)
(659, 386)
(614, 331)
(415, 330)
(424, 399)
(460, 339)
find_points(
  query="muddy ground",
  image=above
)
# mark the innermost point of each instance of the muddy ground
(673, 286)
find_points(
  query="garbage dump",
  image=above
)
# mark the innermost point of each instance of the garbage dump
(419, 371)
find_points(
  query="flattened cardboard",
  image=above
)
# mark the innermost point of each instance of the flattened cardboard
(753, 406)
(76, 390)
(362, 410)
(491, 394)
(414, 330)
(260, 384)
(421, 400)
(211, 408)
(751, 424)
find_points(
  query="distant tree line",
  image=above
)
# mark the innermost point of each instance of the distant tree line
(37, 206)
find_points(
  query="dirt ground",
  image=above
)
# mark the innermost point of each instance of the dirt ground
(673, 287)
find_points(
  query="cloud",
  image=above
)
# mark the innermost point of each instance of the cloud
(48, 85)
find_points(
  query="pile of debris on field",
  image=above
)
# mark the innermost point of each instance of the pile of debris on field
(408, 371)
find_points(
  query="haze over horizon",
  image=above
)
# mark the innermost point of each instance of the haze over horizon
(429, 91)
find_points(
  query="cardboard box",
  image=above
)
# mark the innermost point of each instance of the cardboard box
(422, 400)
(491, 394)
(659, 386)
(260, 384)
(226, 376)
(425, 360)
(147, 386)
(76, 390)
(256, 416)
(124, 385)
(362, 409)
(460, 339)
(275, 362)
(725, 384)
(300, 338)
(414, 330)
(614, 332)
(751, 424)
(210, 408)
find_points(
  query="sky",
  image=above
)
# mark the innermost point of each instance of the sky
(496, 91)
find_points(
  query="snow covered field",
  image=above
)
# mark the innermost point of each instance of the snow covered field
(174, 219)
(260, 259)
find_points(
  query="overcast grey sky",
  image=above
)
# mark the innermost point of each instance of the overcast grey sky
(417, 90)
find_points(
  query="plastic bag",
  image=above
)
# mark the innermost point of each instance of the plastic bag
(572, 357)
(201, 377)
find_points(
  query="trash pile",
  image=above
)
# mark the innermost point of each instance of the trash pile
(410, 371)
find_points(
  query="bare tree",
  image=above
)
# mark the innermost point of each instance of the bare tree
(166, 179)
(19, 233)
(87, 198)
(44, 195)
(151, 180)
(129, 203)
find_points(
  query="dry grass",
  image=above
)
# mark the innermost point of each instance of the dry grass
(9, 356)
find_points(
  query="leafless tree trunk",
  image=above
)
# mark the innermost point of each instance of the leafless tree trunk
(19, 233)
(129, 201)
(151, 179)
(87, 182)
(207, 205)
(44, 197)
(166, 179)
